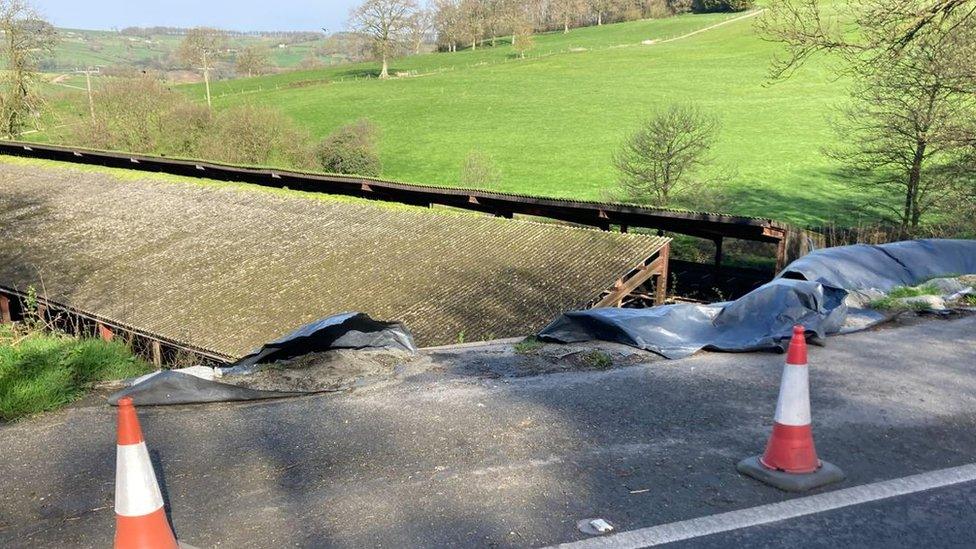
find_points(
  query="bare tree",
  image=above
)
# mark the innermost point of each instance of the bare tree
(912, 122)
(472, 17)
(874, 31)
(602, 8)
(421, 26)
(522, 40)
(664, 157)
(447, 22)
(385, 22)
(27, 39)
(911, 129)
(567, 11)
(201, 46)
(252, 60)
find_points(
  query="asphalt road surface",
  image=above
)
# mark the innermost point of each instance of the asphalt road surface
(467, 461)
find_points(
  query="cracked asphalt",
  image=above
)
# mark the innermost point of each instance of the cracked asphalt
(498, 462)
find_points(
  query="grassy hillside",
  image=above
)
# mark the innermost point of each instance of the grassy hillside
(552, 121)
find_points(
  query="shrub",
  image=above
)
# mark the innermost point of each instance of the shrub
(351, 149)
(252, 134)
(130, 115)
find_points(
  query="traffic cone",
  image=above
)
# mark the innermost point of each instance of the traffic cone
(140, 520)
(790, 461)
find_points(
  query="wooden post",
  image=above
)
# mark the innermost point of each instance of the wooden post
(5, 317)
(718, 251)
(781, 254)
(157, 353)
(624, 228)
(661, 288)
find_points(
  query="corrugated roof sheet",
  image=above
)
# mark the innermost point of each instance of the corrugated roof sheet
(227, 270)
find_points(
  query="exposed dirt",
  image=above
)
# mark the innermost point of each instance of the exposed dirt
(342, 370)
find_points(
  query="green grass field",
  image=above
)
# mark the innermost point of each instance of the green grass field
(552, 121)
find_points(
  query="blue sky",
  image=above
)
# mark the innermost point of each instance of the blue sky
(225, 14)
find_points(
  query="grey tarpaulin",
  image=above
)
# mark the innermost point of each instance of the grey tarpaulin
(811, 291)
(342, 331)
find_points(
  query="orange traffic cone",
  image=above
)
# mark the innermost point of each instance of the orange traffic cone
(140, 520)
(790, 461)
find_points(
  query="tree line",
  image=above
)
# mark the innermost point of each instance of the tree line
(395, 27)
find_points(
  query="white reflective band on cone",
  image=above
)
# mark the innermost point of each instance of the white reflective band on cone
(136, 491)
(793, 406)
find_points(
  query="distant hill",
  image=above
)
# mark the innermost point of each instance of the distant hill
(154, 49)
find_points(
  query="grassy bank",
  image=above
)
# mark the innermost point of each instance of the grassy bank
(41, 371)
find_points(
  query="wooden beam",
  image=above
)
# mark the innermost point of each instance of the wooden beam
(157, 353)
(5, 317)
(661, 288)
(780, 255)
(624, 286)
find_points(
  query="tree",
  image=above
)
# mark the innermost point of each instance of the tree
(447, 22)
(421, 25)
(201, 46)
(472, 21)
(664, 157)
(567, 11)
(911, 125)
(252, 60)
(27, 39)
(385, 22)
(877, 30)
(602, 8)
(912, 129)
(523, 40)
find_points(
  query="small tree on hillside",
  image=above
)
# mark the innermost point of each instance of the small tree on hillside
(664, 157)
(27, 39)
(252, 60)
(200, 48)
(523, 40)
(385, 22)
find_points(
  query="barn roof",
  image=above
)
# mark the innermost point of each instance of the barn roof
(227, 267)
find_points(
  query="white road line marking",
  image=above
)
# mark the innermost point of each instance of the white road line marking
(774, 512)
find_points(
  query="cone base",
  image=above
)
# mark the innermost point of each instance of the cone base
(790, 482)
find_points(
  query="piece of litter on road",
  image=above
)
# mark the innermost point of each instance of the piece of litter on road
(594, 526)
(641, 491)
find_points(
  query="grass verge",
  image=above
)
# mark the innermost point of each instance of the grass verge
(41, 371)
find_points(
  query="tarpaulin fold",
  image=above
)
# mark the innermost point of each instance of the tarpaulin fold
(342, 331)
(812, 291)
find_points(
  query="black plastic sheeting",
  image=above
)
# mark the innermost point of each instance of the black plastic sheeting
(168, 387)
(342, 331)
(811, 291)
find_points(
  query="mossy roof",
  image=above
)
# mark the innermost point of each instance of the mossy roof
(230, 267)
